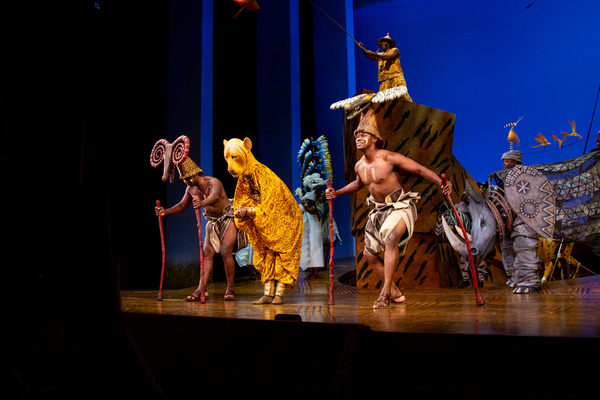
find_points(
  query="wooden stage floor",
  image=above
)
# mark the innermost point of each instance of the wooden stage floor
(438, 344)
(568, 308)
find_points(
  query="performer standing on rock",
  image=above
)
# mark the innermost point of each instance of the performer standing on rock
(390, 72)
(391, 222)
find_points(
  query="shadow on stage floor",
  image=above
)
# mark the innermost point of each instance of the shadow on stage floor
(438, 344)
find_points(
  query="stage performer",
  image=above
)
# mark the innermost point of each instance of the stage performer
(520, 247)
(390, 72)
(391, 223)
(315, 163)
(266, 210)
(207, 192)
(311, 194)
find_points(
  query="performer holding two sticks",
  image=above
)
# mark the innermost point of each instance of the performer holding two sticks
(391, 222)
(208, 193)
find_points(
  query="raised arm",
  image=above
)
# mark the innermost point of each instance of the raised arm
(370, 55)
(406, 164)
(390, 55)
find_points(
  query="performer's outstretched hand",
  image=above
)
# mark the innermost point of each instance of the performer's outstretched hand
(447, 188)
(330, 193)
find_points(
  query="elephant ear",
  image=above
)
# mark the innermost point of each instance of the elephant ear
(473, 195)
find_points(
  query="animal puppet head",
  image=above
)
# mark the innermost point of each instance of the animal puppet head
(483, 230)
(239, 156)
(173, 155)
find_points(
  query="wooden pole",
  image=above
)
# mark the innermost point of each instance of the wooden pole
(162, 241)
(479, 300)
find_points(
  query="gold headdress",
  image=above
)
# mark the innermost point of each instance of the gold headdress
(368, 124)
(188, 168)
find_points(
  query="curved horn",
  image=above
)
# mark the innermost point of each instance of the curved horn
(158, 153)
(458, 245)
(161, 155)
(180, 149)
(169, 154)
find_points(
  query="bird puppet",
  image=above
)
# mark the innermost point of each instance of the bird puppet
(512, 135)
(565, 134)
(541, 139)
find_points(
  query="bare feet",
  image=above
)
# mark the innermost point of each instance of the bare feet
(313, 273)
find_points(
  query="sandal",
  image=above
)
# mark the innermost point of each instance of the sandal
(229, 294)
(196, 296)
(382, 301)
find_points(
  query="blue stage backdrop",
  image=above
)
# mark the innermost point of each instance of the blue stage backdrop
(271, 75)
(491, 63)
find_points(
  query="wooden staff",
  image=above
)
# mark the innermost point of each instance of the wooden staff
(162, 241)
(331, 301)
(478, 298)
(202, 285)
(334, 21)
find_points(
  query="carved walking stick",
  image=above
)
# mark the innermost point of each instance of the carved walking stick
(202, 285)
(331, 301)
(479, 300)
(162, 241)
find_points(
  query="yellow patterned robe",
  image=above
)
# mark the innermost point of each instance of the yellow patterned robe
(276, 231)
(390, 75)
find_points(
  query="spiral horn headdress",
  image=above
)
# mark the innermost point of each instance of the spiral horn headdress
(170, 154)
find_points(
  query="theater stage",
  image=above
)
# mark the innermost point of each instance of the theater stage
(438, 344)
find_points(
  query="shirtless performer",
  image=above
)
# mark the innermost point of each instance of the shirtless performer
(221, 234)
(395, 210)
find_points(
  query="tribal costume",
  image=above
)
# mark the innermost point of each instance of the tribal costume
(217, 226)
(385, 216)
(390, 74)
(520, 256)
